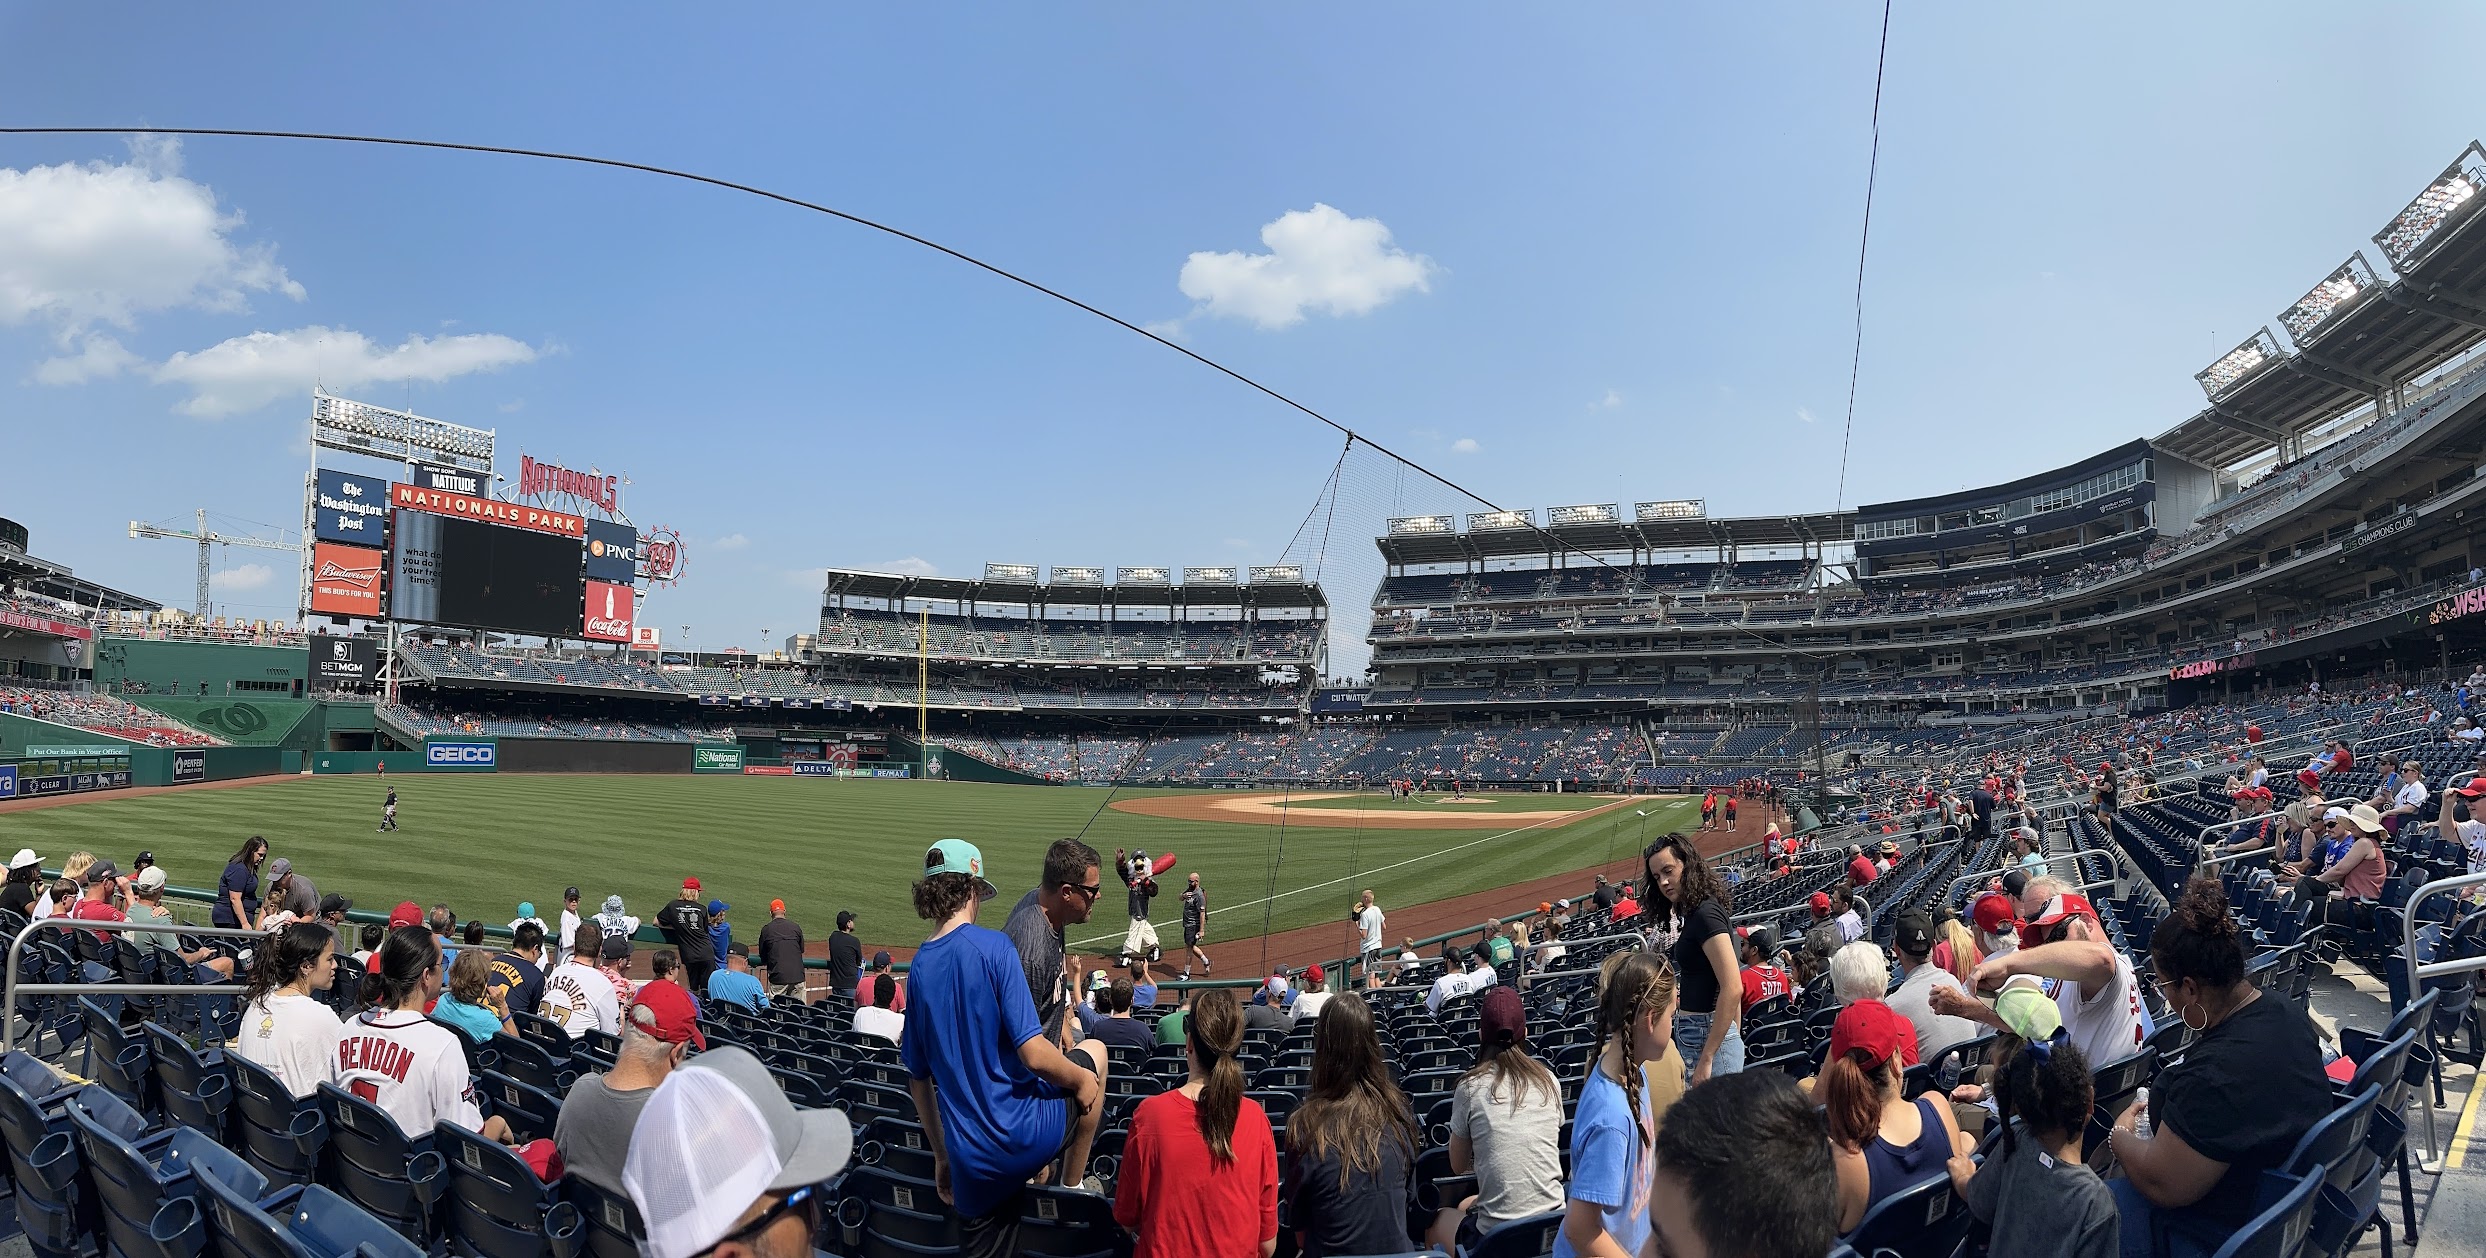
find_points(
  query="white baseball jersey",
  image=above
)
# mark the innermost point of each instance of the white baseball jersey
(294, 1036)
(581, 999)
(410, 1066)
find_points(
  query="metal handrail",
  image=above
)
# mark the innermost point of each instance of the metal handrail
(11, 989)
(2419, 973)
(1964, 879)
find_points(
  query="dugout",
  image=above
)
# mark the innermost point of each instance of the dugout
(580, 755)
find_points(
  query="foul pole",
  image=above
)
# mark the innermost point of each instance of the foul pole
(923, 692)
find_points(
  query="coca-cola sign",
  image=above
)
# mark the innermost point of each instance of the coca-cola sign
(609, 613)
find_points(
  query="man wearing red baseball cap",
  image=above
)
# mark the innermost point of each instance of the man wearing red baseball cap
(2094, 986)
(659, 1030)
(685, 922)
(2462, 820)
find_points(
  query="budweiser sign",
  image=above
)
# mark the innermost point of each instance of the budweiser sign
(537, 479)
(493, 510)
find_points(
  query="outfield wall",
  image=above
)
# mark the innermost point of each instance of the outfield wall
(576, 755)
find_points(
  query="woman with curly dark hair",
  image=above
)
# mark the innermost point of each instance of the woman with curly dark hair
(2234, 1106)
(1708, 1021)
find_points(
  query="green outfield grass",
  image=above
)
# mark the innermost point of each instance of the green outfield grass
(1475, 805)
(483, 842)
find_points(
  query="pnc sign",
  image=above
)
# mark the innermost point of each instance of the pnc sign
(537, 479)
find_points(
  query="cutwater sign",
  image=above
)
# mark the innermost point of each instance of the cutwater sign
(716, 760)
(461, 753)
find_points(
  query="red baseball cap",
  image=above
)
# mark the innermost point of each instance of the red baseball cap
(690, 884)
(1995, 914)
(407, 913)
(1314, 976)
(1821, 901)
(669, 1017)
(1873, 1027)
(2064, 906)
(2475, 788)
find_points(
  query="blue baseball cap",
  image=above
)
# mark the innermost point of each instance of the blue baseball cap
(958, 856)
(717, 906)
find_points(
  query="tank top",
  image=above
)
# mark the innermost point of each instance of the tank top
(2365, 881)
(1893, 1168)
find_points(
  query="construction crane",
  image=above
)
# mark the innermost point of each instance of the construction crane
(206, 539)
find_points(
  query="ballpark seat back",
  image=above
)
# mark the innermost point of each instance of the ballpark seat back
(279, 1136)
(306, 1222)
(196, 1088)
(1926, 1220)
(2287, 1216)
(373, 1162)
(530, 1111)
(133, 1171)
(44, 1164)
(1531, 1237)
(613, 1228)
(495, 1207)
(1068, 1223)
(115, 1058)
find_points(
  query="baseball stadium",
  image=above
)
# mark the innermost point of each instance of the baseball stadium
(2134, 790)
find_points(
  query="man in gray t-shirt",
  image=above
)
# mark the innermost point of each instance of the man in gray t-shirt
(1064, 897)
(593, 1132)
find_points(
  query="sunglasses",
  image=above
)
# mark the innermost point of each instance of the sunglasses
(1087, 890)
(806, 1199)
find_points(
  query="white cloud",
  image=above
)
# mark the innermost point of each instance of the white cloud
(105, 242)
(248, 372)
(911, 566)
(1465, 445)
(1804, 414)
(1319, 260)
(735, 541)
(98, 356)
(250, 576)
(1611, 400)
(513, 407)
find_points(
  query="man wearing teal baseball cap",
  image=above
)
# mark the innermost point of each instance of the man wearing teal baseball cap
(998, 1099)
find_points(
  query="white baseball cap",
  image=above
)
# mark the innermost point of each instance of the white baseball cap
(715, 1136)
(25, 858)
(150, 879)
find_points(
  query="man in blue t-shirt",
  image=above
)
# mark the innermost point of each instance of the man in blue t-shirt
(998, 1099)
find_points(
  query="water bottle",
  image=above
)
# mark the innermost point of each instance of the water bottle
(2140, 1116)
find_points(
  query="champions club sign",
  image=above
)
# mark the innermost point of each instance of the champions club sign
(537, 479)
(490, 510)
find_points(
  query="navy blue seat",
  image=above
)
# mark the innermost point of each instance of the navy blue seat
(376, 1165)
(2279, 1230)
(196, 1088)
(495, 1207)
(303, 1222)
(279, 1136)
(529, 1111)
(612, 1227)
(134, 1171)
(43, 1157)
(1925, 1220)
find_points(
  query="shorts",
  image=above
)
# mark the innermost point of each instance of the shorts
(1471, 1230)
(1191, 934)
(996, 1235)
(789, 991)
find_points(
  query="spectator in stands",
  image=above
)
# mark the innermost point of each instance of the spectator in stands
(518, 974)
(1368, 923)
(1066, 896)
(1118, 1027)
(1880, 1141)
(2099, 997)
(2409, 800)
(2037, 1194)
(576, 993)
(736, 984)
(721, 1123)
(1858, 971)
(1144, 987)
(1708, 1022)
(147, 905)
(286, 1025)
(1353, 1142)
(1757, 951)
(781, 954)
(443, 924)
(466, 998)
(882, 963)
(405, 1063)
(999, 1100)
(2352, 865)
(2237, 1102)
(1845, 917)
(1913, 943)
(1456, 983)
(1268, 1008)
(1505, 1129)
(1604, 895)
(1170, 1026)
(845, 954)
(877, 1014)
(613, 921)
(526, 913)
(568, 927)
(597, 1116)
(1635, 1079)
(1742, 1171)
(1626, 906)
(291, 893)
(472, 934)
(613, 962)
(2027, 850)
(18, 894)
(1199, 1168)
(1860, 871)
(94, 903)
(2459, 821)
(720, 935)
(237, 893)
(1955, 946)
(684, 920)
(666, 967)
(1313, 994)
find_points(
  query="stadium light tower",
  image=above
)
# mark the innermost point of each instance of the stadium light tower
(2428, 221)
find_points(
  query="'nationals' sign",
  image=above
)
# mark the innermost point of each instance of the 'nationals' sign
(493, 510)
(44, 624)
(536, 479)
(2467, 602)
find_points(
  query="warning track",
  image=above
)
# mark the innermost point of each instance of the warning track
(1260, 808)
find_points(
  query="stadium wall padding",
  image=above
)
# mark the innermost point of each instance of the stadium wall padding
(176, 668)
(153, 766)
(368, 761)
(576, 755)
(245, 720)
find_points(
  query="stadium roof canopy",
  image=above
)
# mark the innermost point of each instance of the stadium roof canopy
(1614, 536)
(54, 580)
(2358, 334)
(849, 583)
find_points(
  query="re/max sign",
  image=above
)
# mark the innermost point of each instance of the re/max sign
(2458, 605)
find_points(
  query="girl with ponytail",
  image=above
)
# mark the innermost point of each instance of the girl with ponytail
(2240, 1098)
(2037, 1195)
(1637, 1075)
(285, 1026)
(1200, 1167)
(1880, 1142)
(1505, 1129)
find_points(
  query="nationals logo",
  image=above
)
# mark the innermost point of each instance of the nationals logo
(536, 479)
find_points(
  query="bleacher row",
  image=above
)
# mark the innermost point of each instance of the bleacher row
(1071, 641)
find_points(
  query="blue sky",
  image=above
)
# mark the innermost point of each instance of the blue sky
(1609, 249)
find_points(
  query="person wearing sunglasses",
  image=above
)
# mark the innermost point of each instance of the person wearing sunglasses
(2094, 986)
(722, 1164)
(1066, 896)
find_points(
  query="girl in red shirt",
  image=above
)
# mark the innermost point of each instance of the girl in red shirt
(1200, 1167)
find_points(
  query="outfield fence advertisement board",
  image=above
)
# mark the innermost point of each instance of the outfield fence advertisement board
(473, 754)
(716, 760)
(8, 781)
(189, 766)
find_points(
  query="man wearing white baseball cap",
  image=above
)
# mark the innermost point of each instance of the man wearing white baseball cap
(721, 1163)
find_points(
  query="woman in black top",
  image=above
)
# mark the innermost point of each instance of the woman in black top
(2243, 1095)
(1353, 1143)
(1708, 1024)
(18, 894)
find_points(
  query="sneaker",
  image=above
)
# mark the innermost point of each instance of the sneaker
(1185, 976)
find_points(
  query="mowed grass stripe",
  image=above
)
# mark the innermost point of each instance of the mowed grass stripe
(484, 842)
